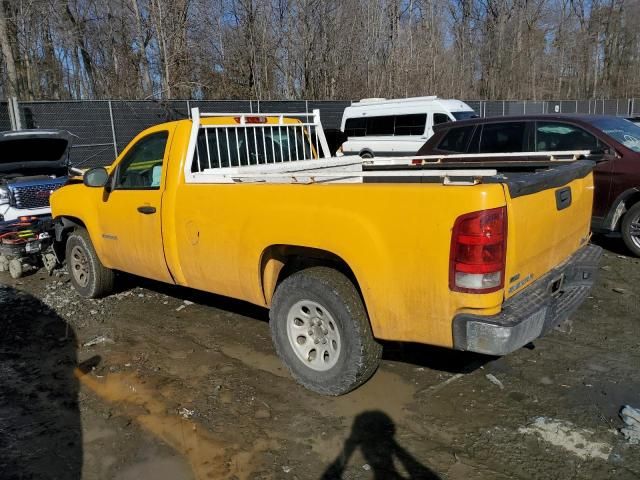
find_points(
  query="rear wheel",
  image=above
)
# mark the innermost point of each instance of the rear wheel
(631, 229)
(89, 277)
(366, 155)
(322, 333)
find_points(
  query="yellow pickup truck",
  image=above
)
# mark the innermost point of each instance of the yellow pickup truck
(344, 252)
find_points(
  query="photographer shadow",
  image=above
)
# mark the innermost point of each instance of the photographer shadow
(373, 433)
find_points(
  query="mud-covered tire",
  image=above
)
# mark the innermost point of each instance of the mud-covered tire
(89, 277)
(630, 229)
(339, 304)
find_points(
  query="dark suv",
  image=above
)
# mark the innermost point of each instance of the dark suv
(613, 140)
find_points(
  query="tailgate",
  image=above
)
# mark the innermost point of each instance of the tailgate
(549, 216)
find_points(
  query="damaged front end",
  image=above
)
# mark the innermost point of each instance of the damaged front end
(33, 164)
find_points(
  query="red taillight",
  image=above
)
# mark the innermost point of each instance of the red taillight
(478, 251)
(251, 119)
(417, 161)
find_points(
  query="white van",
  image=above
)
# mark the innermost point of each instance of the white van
(383, 127)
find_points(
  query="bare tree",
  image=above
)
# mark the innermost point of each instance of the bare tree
(324, 49)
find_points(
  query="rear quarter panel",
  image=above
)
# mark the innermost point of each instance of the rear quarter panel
(395, 238)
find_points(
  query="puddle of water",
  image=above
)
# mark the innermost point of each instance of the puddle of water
(385, 391)
(327, 447)
(95, 433)
(206, 454)
(158, 469)
(254, 359)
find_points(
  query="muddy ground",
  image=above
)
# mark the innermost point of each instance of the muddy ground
(167, 383)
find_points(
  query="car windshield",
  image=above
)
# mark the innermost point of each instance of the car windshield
(464, 115)
(624, 131)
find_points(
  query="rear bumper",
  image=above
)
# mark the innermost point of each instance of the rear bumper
(532, 312)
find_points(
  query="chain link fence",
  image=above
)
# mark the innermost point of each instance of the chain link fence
(102, 128)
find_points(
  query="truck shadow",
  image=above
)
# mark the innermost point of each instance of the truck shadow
(435, 358)
(373, 433)
(40, 429)
(127, 281)
(613, 245)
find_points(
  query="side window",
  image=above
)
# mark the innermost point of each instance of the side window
(410, 124)
(355, 127)
(439, 118)
(141, 168)
(380, 126)
(456, 140)
(503, 137)
(552, 136)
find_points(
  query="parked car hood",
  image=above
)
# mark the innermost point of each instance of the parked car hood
(34, 152)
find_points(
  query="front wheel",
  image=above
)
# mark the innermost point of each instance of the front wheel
(89, 277)
(322, 333)
(631, 229)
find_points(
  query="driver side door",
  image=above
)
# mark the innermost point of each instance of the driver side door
(130, 212)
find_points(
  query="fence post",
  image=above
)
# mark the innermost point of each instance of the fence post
(14, 114)
(188, 109)
(524, 107)
(113, 131)
(10, 114)
(503, 108)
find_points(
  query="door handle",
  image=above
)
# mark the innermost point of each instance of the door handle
(563, 198)
(147, 210)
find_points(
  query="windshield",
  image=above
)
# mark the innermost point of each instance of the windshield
(464, 115)
(624, 131)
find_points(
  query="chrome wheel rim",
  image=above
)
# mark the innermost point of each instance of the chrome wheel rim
(79, 264)
(634, 230)
(313, 335)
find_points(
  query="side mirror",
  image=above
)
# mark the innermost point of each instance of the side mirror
(96, 177)
(602, 154)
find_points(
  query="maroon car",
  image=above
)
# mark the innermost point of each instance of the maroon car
(614, 141)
